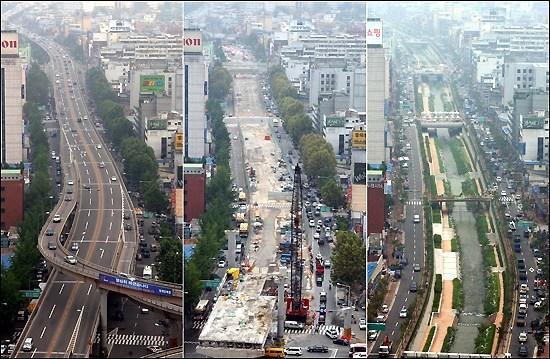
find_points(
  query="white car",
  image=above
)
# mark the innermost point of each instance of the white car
(293, 351)
(235, 138)
(98, 147)
(403, 313)
(113, 178)
(74, 246)
(101, 165)
(332, 333)
(154, 348)
(56, 218)
(319, 222)
(311, 223)
(27, 345)
(523, 288)
(126, 275)
(372, 335)
(503, 193)
(221, 264)
(385, 308)
(70, 182)
(499, 179)
(316, 236)
(362, 324)
(522, 337)
(70, 260)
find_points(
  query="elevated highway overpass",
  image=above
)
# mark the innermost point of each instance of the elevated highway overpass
(92, 217)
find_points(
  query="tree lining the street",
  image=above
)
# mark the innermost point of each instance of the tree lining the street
(348, 260)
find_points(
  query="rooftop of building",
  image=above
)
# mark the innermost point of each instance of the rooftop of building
(242, 316)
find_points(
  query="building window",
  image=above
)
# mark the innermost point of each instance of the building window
(322, 76)
(519, 78)
(519, 71)
(530, 71)
(524, 71)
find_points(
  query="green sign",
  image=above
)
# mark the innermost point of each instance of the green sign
(35, 293)
(151, 83)
(335, 121)
(376, 326)
(156, 124)
(533, 122)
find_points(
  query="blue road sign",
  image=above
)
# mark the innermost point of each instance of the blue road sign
(132, 284)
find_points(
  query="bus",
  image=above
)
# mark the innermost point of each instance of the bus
(242, 197)
(243, 230)
(201, 310)
(147, 272)
(357, 348)
(275, 122)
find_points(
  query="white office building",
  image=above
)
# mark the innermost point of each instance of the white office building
(160, 132)
(534, 141)
(523, 76)
(11, 103)
(327, 78)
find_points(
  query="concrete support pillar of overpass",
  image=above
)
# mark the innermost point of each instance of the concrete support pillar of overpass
(103, 322)
(175, 330)
(281, 307)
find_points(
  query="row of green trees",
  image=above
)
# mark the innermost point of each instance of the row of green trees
(19, 276)
(254, 41)
(219, 196)
(71, 43)
(140, 163)
(316, 153)
(169, 260)
(348, 260)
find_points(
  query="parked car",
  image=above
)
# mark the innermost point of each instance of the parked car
(317, 349)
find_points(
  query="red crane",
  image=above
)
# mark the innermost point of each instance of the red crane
(296, 306)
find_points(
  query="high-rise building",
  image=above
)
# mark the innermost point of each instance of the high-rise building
(12, 191)
(194, 191)
(11, 104)
(195, 95)
(376, 67)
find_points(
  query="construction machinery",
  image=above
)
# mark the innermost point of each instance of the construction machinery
(297, 307)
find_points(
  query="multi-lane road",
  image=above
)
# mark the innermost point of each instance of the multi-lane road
(66, 319)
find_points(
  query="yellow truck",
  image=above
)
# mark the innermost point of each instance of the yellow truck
(243, 230)
(242, 197)
(241, 217)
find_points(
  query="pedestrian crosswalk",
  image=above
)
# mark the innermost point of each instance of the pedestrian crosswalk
(414, 203)
(134, 339)
(198, 324)
(507, 199)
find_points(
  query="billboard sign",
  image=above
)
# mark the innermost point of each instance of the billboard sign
(374, 32)
(151, 83)
(192, 41)
(10, 43)
(359, 139)
(136, 285)
(335, 121)
(360, 173)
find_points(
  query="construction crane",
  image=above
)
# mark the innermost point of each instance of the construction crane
(296, 307)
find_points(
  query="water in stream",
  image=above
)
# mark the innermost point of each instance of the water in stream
(471, 257)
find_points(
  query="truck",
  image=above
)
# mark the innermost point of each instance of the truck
(319, 268)
(385, 348)
(240, 217)
(147, 272)
(201, 310)
(242, 197)
(243, 230)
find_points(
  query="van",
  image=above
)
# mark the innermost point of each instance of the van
(291, 324)
(27, 345)
(274, 352)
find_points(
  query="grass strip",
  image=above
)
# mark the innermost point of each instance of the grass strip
(428, 150)
(492, 294)
(428, 343)
(458, 294)
(459, 154)
(439, 158)
(437, 240)
(448, 341)
(438, 287)
(484, 340)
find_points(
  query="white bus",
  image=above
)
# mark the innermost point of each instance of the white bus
(147, 272)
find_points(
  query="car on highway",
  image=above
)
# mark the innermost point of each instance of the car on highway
(522, 351)
(221, 264)
(381, 319)
(113, 178)
(372, 335)
(49, 231)
(70, 260)
(340, 341)
(362, 324)
(144, 310)
(385, 308)
(403, 313)
(27, 345)
(326, 263)
(52, 246)
(127, 276)
(154, 348)
(311, 223)
(101, 165)
(235, 138)
(503, 193)
(416, 218)
(293, 351)
(86, 186)
(413, 287)
(74, 246)
(317, 349)
(98, 147)
(316, 236)
(56, 218)
(416, 267)
(522, 337)
(332, 333)
(70, 182)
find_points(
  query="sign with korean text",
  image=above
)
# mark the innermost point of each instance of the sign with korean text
(192, 41)
(10, 43)
(360, 173)
(136, 285)
(359, 139)
(374, 32)
(335, 121)
(151, 83)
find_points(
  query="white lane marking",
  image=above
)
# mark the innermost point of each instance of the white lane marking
(110, 225)
(89, 289)
(406, 299)
(396, 324)
(62, 286)
(76, 254)
(43, 330)
(34, 352)
(111, 188)
(86, 225)
(112, 201)
(392, 333)
(89, 180)
(90, 200)
(88, 213)
(51, 313)
(107, 239)
(102, 251)
(107, 171)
